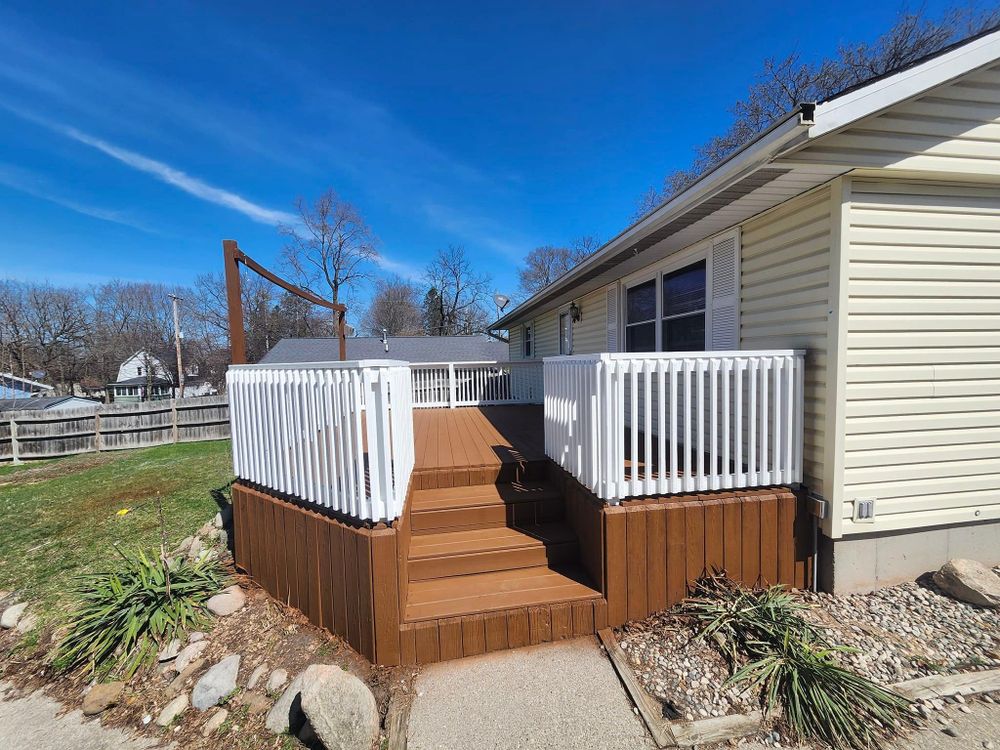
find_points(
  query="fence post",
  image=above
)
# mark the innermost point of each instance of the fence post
(452, 394)
(13, 441)
(173, 420)
(97, 431)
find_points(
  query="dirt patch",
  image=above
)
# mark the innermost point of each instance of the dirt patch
(263, 632)
(56, 468)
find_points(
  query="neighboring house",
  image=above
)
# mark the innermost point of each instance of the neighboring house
(48, 403)
(12, 386)
(866, 230)
(476, 348)
(144, 371)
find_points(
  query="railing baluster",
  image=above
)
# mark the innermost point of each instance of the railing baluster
(662, 479)
(675, 479)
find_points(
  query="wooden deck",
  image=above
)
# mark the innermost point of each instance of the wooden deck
(476, 444)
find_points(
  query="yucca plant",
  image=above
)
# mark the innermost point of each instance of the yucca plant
(125, 614)
(772, 648)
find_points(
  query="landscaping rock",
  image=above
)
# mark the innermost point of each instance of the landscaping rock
(969, 581)
(196, 636)
(217, 521)
(340, 708)
(184, 546)
(188, 654)
(276, 681)
(229, 601)
(195, 549)
(101, 697)
(170, 652)
(12, 615)
(257, 675)
(286, 715)
(215, 722)
(255, 703)
(172, 710)
(177, 684)
(216, 683)
(27, 623)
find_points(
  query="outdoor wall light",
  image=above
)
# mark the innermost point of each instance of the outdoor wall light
(575, 312)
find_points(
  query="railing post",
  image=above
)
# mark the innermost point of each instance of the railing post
(452, 386)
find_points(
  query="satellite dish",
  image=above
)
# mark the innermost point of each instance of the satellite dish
(501, 300)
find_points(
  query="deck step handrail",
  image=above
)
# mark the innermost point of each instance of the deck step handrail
(632, 425)
(483, 383)
(338, 435)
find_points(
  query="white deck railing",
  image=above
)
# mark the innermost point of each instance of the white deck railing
(628, 425)
(451, 384)
(339, 435)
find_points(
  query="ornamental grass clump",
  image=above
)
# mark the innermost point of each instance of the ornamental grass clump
(125, 614)
(772, 648)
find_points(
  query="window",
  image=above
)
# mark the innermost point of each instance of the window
(684, 309)
(640, 317)
(139, 370)
(565, 334)
(529, 348)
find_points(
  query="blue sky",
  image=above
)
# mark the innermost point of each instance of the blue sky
(134, 137)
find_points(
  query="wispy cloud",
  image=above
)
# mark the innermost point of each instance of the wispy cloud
(183, 181)
(400, 268)
(34, 185)
(477, 230)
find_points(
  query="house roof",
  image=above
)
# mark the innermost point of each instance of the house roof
(39, 403)
(755, 178)
(407, 348)
(30, 384)
(141, 380)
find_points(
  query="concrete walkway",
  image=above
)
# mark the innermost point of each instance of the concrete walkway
(36, 721)
(557, 695)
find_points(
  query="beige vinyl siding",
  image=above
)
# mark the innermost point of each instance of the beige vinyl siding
(590, 334)
(515, 345)
(953, 128)
(922, 431)
(784, 301)
(547, 335)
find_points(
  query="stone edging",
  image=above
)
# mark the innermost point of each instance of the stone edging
(718, 729)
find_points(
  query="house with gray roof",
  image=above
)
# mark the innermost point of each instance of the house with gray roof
(475, 348)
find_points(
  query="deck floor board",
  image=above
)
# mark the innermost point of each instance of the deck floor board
(477, 436)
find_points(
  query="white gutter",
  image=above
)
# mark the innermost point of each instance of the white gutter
(758, 153)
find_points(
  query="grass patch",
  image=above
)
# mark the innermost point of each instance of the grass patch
(68, 523)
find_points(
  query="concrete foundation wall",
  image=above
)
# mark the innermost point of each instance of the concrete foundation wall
(870, 561)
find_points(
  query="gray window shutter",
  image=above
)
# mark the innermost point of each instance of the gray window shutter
(725, 294)
(613, 318)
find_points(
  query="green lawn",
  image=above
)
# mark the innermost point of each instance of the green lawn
(61, 518)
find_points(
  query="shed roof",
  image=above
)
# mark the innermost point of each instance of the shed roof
(41, 403)
(407, 348)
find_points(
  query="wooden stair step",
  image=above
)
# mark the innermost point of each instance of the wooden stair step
(496, 590)
(470, 551)
(485, 505)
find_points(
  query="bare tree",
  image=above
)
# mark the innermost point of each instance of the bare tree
(460, 293)
(545, 264)
(395, 308)
(331, 250)
(784, 83)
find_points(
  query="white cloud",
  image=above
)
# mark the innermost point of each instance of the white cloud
(183, 181)
(478, 231)
(400, 268)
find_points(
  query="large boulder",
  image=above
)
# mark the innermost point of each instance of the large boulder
(969, 581)
(216, 683)
(340, 708)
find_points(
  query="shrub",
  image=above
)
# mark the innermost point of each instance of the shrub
(772, 648)
(125, 614)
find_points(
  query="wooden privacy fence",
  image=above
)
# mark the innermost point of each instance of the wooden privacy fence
(26, 435)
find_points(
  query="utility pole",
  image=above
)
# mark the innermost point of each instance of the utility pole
(177, 345)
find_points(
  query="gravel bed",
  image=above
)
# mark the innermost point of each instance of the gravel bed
(901, 633)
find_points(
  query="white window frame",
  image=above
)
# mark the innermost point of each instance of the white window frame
(528, 340)
(701, 251)
(564, 313)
